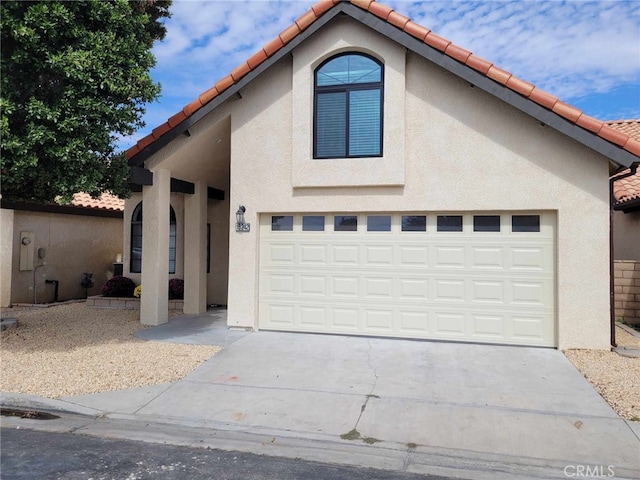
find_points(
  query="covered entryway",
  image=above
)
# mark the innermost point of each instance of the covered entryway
(474, 277)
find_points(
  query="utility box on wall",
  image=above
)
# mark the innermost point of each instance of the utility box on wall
(27, 247)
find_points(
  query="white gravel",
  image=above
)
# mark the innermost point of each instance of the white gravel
(71, 350)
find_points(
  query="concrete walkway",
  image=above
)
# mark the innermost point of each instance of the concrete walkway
(463, 410)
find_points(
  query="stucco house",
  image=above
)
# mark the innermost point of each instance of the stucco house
(626, 202)
(362, 175)
(626, 234)
(46, 249)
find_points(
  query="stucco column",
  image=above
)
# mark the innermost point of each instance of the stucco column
(154, 303)
(195, 250)
(6, 255)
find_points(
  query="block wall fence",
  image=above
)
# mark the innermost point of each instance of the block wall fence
(627, 291)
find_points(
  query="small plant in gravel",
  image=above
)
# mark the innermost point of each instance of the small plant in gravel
(176, 289)
(118, 286)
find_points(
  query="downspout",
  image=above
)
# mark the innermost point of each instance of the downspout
(612, 310)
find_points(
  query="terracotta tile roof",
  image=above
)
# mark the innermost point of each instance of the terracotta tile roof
(627, 189)
(533, 93)
(104, 202)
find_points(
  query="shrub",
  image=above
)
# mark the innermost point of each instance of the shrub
(176, 289)
(118, 286)
(138, 291)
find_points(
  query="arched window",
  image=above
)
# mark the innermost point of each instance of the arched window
(348, 93)
(136, 240)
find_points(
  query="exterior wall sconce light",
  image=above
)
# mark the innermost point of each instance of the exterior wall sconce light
(241, 225)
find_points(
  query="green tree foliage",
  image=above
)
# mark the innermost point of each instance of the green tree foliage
(74, 78)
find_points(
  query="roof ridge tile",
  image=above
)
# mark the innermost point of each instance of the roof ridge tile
(458, 53)
(398, 20)
(416, 30)
(436, 41)
(499, 75)
(380, 10)
(567, 111)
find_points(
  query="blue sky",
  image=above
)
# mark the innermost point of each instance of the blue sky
(586, 53)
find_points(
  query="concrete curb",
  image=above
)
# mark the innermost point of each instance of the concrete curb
(425, 460)
(34, 402)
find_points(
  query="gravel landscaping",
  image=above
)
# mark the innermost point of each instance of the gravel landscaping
(71, 350)
(615, 377)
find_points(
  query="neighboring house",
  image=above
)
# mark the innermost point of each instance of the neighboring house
(626, 203)
(626, 235)
(394, 185)
(41, 244)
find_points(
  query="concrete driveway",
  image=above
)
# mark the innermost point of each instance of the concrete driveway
(473, 411)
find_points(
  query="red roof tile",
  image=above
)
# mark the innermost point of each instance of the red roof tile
(621, 137)
(106, 201)
(416, 30)
(627, 189)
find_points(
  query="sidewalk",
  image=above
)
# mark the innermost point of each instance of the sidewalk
(460, 410)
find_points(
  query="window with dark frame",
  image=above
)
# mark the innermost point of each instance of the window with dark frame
(449, 223)
(486, 223)
(135, 254)
(525, 223)
(378, 223)
(348, 106)
(345, 223)
(414, 223)
(282, 223)
(313, 223)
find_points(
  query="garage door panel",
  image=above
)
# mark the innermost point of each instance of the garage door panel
(449, 256)
(414, 322)
(489, 326)
(282, 254)
(312, 316)
(313, 255)
(449, 324)
(313, 285)
(449, 290)
(281, 284)
(495, 287)
(490, 257)
(379, 254)
(344, 319)
(345, 286)
(488, 291)
(345, 255)
(413, 256)
(378, 287)
(414, 288)
(379, 320)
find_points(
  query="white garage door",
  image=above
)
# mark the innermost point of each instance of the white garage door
(474, 277)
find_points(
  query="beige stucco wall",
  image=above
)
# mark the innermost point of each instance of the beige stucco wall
(74, 244)
(626, 235)
(463, 150)
(6, 247)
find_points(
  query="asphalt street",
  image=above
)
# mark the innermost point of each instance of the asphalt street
(27, 454)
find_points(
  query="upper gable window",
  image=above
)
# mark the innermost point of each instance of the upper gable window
(348, 107)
